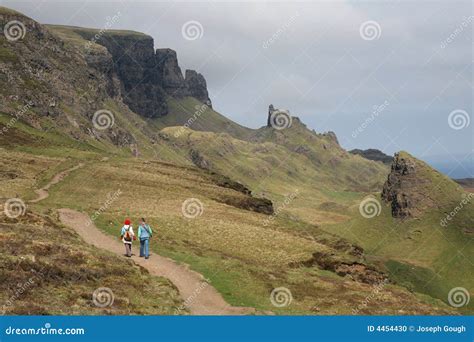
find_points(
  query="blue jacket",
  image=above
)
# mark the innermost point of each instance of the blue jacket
(144, 232)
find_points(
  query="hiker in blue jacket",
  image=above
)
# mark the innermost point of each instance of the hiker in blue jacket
(144, 235)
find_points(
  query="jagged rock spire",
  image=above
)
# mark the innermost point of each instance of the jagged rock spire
(271, 109)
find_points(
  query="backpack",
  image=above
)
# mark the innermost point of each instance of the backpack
(127, 236)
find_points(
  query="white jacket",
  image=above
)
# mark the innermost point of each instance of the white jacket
(124, 230)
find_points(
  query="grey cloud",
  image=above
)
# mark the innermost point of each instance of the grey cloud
(318, 66)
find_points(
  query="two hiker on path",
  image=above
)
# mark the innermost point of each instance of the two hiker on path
(144, 235)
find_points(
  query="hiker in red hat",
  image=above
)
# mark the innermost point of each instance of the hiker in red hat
(127, 235)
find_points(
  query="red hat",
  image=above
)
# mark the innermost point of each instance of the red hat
(127, 221)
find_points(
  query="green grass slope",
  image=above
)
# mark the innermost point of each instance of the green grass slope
(427, 253)
(276, 164)
(191, 113)
(245, 254)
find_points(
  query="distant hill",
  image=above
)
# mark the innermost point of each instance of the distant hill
(466, 183)
(373, 154)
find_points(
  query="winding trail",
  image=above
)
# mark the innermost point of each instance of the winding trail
(43, 192)
(199, 297)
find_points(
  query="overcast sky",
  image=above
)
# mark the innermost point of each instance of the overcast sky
(329, 63)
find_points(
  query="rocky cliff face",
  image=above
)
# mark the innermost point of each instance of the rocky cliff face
(197, 87)
(148, 76)
(44, 80)
(414, 188)
(397, 188)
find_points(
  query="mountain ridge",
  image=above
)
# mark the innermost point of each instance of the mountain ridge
(373, 154)
(142, 69)
(315, 186)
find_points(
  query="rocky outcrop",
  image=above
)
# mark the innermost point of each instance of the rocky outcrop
(259, 205)
(197, 87)
(243, 199)
(397, 188)
(271, 109)
(147, 76)
(332, 136)
(278, 118)
(226, 182)
(414, 188)
(199, 160)
(168, 73)
(356, 271)
(373, 154)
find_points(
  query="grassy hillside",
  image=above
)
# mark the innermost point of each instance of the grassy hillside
(47, 269)
(243, 255)
(199, 117)
(276, 164)
(422, 252)
(311, 245)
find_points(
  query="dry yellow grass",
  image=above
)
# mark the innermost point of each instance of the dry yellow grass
(21, 171)
(244, 255)
(157, 192)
